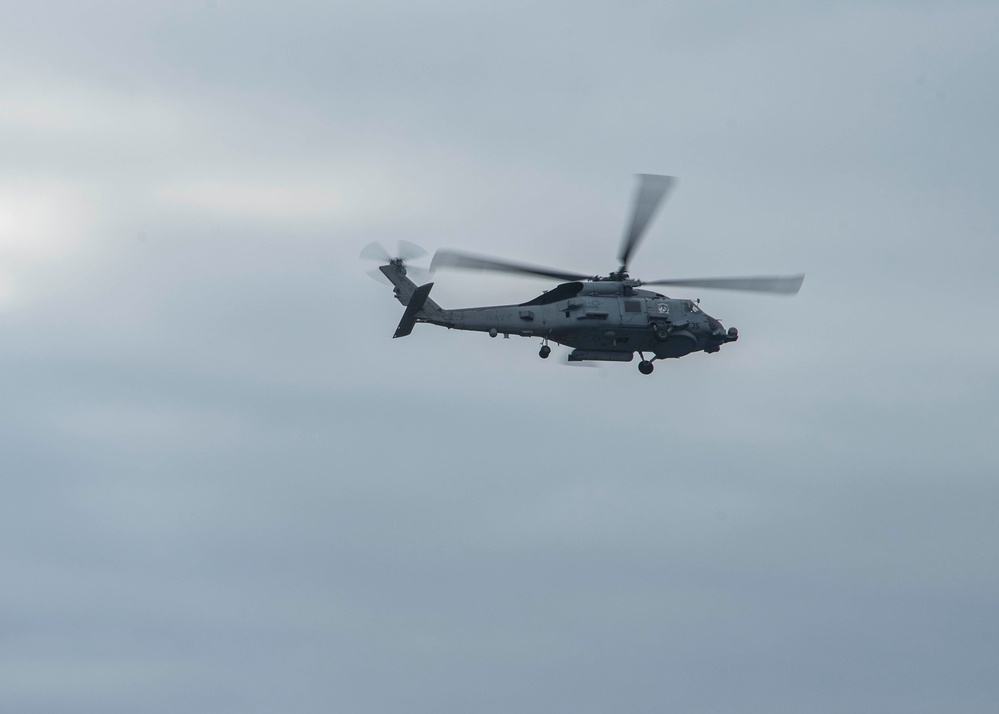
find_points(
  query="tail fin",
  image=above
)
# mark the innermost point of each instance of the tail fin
(416, 303)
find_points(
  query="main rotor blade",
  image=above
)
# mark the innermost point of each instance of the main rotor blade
(785, 285)
(452, 259)
(651, 191)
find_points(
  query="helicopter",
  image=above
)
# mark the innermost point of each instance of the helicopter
(604, 318)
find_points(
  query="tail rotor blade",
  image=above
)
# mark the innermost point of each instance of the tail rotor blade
(410, 251)
(418, 273)
(379, 276)
(407, 251)
(375, 251)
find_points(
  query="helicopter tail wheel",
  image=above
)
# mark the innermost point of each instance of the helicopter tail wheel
(645, 367)
(544, 351)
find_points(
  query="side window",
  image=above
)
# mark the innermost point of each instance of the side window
(632, 305)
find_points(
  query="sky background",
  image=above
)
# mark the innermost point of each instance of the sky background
(225, 488)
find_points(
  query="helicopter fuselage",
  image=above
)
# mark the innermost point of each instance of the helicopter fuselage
(603, 317)
(604, 320)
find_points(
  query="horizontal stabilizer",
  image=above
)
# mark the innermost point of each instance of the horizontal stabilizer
(416, 303)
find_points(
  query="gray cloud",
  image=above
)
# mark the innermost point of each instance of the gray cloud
(226, 487)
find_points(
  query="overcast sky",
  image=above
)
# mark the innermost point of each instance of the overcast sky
(225, 488)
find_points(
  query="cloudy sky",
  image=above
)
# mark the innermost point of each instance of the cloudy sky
(225, 488)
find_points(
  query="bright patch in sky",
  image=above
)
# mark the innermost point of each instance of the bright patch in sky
(38, 222)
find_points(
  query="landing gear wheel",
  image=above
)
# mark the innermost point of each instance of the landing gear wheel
(544, 351)
(645, 367)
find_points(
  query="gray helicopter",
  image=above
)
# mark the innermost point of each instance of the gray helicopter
(603, 317)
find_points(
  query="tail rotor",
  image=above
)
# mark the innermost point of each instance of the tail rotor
(406, 252)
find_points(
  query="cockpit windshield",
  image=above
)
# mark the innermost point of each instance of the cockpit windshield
(691, 307)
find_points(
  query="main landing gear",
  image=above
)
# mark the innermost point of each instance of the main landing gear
(544, 351)
(645, 366)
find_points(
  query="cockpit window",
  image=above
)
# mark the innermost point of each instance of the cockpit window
(690, 307)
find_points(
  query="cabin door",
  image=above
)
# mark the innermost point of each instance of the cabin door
(634, 312)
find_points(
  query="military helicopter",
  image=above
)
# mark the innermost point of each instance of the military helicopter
(603, 317)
